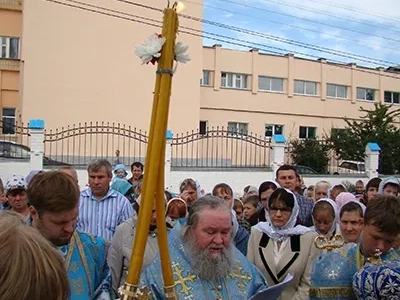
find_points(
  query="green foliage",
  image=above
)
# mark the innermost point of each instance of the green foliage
(311, 153)
(350, 187)
(376, 125)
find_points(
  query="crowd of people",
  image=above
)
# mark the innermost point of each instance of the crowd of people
(74, 243)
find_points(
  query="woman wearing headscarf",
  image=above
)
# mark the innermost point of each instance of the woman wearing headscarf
(351, 220)
(325, 215)
(278, 246)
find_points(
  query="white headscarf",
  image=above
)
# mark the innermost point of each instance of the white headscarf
(199, 191)
(335, 210)
(289, 229)
(363, 207)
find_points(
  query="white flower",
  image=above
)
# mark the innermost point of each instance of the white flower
(180, 53)
(150, 49)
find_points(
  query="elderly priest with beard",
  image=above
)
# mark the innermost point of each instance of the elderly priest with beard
(205, 263)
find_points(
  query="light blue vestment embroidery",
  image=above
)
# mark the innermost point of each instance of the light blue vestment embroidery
(242, 282)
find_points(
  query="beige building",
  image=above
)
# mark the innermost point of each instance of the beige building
(300, 98)
(10, 34)
(78, 66)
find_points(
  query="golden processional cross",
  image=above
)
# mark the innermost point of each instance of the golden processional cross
(153, 185)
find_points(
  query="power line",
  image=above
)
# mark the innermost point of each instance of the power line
(359, 11)
(272, 37)
(204, 35)
(325, 13)
(306, 20)
(288, 25)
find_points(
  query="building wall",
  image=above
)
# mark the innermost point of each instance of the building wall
(81, 66)
(10, 27)
(220, 105)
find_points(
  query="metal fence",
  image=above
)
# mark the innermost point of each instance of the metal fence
(220, 148)
(79, 144)
(216, 148)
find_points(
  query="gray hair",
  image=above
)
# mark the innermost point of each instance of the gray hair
(97, 164)
(201, 204)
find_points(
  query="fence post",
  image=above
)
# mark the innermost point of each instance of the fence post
(36, 131)
(277, 152)
(372, 159)
(168, 156)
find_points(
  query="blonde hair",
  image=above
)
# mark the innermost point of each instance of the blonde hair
(24, 249)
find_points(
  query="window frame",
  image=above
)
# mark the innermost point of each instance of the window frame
(307, 132)
(270, 80)
(273, 129)
(8, 117)
(206, 75)
(392, 94)
(336, 86)
(6, 47)
(237, 131)
(234, 80)
(305, 83)
(358, 89)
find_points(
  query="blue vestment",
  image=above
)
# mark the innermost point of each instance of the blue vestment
(242, 282)
(86, 263)
(332, 273)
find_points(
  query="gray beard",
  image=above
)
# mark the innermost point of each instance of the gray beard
(205, 266)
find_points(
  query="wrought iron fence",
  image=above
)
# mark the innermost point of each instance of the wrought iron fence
(14, 140)
(79, 144)
(220, 148)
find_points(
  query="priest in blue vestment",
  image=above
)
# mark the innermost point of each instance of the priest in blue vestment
(205, 263)
(54, 199)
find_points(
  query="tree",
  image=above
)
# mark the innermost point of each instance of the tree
(376, 125)
(311, 153)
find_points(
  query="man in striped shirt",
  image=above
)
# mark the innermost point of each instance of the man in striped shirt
(101, 209)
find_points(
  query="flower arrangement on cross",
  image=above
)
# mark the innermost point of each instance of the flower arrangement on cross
(150, 50)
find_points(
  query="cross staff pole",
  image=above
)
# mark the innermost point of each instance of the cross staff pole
(153, 185)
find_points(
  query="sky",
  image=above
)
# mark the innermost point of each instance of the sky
(368, 35)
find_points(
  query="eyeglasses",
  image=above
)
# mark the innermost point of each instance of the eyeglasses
(283, 210)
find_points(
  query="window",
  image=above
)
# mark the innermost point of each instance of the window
(307, 132)
(392, 97)
(9, 47)
(203, 127)
(271, 129)
(236, 81)
(8, 121)
(236, 128)
(206, 78)
(365, 94)
(338, 132)
(336, 91)
(271, 84)
(302, 87)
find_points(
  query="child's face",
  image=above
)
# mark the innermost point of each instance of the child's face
(3, 197)
(120, 173)
(323, 221)
(391, 190)
(249, 210)
(372, 192)
(239, 213)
